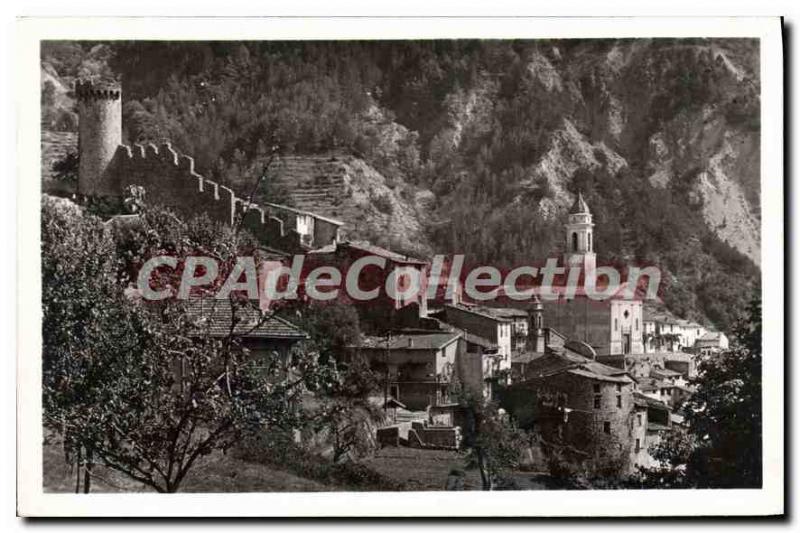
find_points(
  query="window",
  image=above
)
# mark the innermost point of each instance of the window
(619, 401)
(607, 427)
(619, 387)
(637, 324)
(597, 401)
(590, 242)
(639, 419)
(574, 242)
(638, 445)
(616, 325)
(596, 388)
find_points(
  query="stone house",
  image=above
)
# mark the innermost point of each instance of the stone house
(417, 370)
(652, 418)
(262, 334)
(664, 332)
(583, 404)
(405, 309)
(520, 326)
(711, 343)
(485, 332)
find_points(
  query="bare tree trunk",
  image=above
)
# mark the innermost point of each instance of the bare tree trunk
(78, 471)
(486, 481)
(87, 473)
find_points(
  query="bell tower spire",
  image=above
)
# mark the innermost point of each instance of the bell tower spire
(579, 234)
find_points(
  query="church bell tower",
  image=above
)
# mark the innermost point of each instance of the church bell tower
(580, 242)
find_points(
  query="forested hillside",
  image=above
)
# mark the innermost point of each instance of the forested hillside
(482, 143)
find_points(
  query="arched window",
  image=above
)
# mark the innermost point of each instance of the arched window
(574, 242)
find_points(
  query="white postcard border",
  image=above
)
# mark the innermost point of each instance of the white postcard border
(32, 501)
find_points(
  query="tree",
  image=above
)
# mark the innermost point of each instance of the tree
(66, 168)
(346, 413)
(144, 388)
(722, 447)
(494, 444)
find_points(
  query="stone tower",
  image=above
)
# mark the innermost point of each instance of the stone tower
(580, 246)
(536, 336)
(99, 135)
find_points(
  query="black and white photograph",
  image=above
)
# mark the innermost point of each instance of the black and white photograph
(300, 266)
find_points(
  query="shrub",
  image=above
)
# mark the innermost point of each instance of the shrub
(279, 449)
(383, 203)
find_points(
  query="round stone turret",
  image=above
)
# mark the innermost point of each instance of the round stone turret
(99, 134)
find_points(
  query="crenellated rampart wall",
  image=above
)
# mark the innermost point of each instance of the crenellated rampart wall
(169, 179)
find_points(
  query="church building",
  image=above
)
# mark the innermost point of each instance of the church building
(612, 326)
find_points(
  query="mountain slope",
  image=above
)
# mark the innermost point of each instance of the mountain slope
(479, 147)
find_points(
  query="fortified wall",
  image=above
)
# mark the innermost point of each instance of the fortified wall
(169, 179)
(108, 167)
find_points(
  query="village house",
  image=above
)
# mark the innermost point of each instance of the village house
(586, 405)
(519, 325)
(672, 392)
(485, 333)
(652, 419)
(682, 363)
(712, 342)
(263, 334)
(403, 309)
(417, 370)
(664, 332)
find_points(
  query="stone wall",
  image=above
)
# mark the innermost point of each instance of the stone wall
(584, 426)
(424, 436)
(169, 179)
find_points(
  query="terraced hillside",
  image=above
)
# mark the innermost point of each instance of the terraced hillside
(341, 187)
(348, 189)
(54, 146)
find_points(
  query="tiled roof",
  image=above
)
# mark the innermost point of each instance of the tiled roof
(480, 311)
(599, 377)
(306, 213)
(479, 341)
(525, 357)
(646, 401)
(369, 248)
(664, 372)
(557, 362)
(648, 384)
(430, 341)
(214, 318)
(271, 254)
(504, 312)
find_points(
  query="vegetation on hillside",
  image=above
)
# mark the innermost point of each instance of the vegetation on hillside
(502, 132)
(722, 445)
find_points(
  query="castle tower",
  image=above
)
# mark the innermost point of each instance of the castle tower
(99, 134)
(580, 246)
